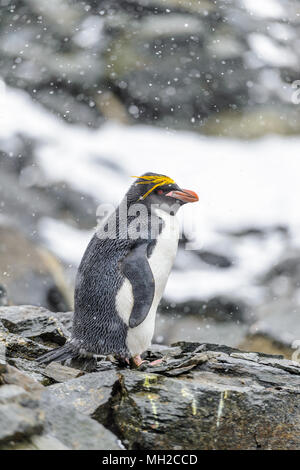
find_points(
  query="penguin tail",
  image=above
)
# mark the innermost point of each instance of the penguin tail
(59, 354)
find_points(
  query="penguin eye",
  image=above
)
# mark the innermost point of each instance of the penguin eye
(160, 191)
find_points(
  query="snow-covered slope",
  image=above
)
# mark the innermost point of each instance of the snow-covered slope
(240, 184)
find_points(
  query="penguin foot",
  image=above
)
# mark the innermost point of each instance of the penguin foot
(122, 361)
(155, 363)
(137, 361)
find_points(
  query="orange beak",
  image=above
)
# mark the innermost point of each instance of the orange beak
(184, 195)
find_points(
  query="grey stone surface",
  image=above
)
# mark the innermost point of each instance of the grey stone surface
(61, 373)
(33, 323)
(200, 396)
(75, 429)
(18, 422)
(90, 394)
(213, 398)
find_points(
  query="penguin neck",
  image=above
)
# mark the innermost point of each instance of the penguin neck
(137, 220)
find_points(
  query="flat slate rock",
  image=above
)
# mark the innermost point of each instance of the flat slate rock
(90, 394)
(74, 429)
(34, 323)
(61, 373)
(33, 421)
(18, 346)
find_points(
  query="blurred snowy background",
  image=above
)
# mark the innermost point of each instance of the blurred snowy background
(204, 91)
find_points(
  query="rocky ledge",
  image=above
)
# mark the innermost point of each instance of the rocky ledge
(202, 396)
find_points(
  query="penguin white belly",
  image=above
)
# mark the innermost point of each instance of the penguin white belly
(160, 261)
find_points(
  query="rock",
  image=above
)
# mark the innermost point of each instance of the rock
(31, 368)
(222, 309)
(3, 297)
(60, 373)
(27, 194)
(44, 442)
(90, 394)
(13, 376)
(21, 347)
(66, 318)
(201, 395)
(278, 329)
(172, 328)
(226, 400)
(3, 365)
(18, 197)
(30, 273)
(73, 428)
(17, 422)
(215, 259)
(34, 323)
(43, 423)
(20, 417)
(12, 394)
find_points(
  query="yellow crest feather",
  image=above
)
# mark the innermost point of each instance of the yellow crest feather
(155, 180)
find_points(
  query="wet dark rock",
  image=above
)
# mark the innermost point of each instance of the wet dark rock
(27, 332)
(34, 423)
(203, 396)
(33, 323)
(216, 399)
(20, 347)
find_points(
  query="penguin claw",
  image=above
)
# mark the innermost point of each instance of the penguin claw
(138, 361)
(122, 361)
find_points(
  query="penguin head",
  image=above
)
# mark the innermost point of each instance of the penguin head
(161, 190)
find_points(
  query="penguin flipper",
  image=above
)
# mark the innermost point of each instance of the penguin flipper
(137, 270)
